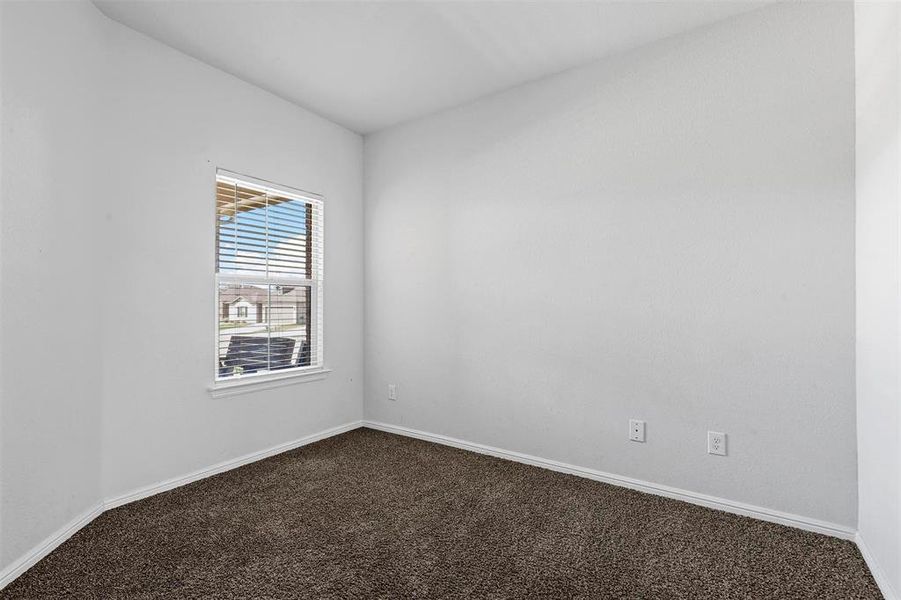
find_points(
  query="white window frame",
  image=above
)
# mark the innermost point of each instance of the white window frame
(237, 384)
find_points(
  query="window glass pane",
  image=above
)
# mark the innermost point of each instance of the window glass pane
(226, 245)
(243, 336)
(289, 243)
(241, 229)
(256, 230)
(290, 323)
(263, 328)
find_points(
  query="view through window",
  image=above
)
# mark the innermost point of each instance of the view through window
(269, 277)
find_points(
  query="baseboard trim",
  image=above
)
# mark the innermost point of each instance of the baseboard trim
(21, 565)
(227, 465)
(730, 506)
(31, 558)
(885, 586)
(48, 545)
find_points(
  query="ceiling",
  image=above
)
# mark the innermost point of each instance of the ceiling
(369, 65)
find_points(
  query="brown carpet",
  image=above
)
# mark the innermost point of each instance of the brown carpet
(373, 515)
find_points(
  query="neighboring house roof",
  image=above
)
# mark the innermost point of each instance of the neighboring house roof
(254, 294)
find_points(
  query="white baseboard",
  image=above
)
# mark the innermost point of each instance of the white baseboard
(21, 565)
(48, 545)
(228, 465)
(885, 586)
(730, 506)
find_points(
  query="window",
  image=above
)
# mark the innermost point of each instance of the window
(268, 278)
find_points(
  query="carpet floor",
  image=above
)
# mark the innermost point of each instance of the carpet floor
(371, 515)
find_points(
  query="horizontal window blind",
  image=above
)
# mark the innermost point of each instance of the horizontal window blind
(269, 277)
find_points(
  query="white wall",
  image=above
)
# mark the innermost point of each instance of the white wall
(678, 218)
(110, 147)
(175, 120)
(49, 272)
(665, 235)
(878, 73)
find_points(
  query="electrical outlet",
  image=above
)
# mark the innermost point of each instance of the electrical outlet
(636, 430)
(392, 391)
(716, 443)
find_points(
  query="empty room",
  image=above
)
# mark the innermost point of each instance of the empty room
(450, 299)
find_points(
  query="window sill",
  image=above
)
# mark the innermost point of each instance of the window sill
(253, 383)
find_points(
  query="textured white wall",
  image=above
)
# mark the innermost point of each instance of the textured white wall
(665, 235)
(49, 273)
(110, 145)
(176, 120)
(877, 46)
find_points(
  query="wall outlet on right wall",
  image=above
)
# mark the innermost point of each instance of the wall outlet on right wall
(716, 443)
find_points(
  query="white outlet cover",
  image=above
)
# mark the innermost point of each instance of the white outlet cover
(636, 430)
(716, 443)
(392, 391)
